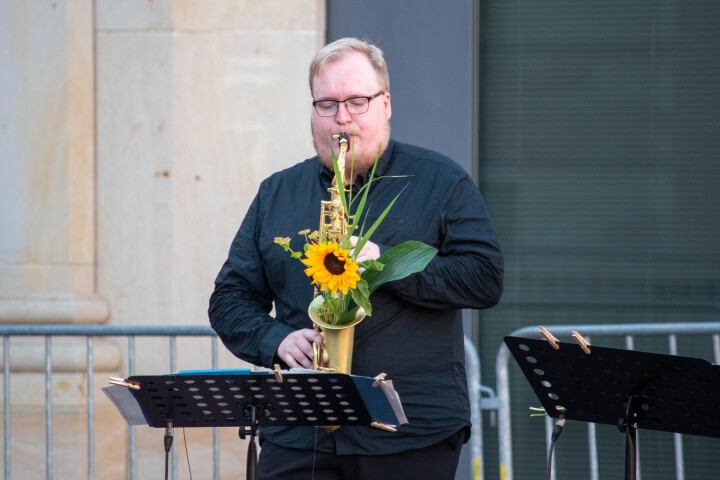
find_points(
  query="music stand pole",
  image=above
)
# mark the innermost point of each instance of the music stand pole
(252, 413)
(168, 441)
(634, 408)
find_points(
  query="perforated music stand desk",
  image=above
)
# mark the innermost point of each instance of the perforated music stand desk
(630, 389)
(253, 400)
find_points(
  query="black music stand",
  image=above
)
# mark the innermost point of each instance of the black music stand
(626, 388)
(252, 400)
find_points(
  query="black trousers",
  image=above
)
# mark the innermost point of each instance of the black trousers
(436, 462)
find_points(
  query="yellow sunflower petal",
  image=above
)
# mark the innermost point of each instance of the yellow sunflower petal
(331, 267)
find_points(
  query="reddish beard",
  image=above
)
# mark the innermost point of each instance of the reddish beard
(358, 162)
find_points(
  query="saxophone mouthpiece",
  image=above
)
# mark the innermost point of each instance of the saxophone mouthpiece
(344, 140)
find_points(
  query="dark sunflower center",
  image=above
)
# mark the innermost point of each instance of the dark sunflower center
(333, 264)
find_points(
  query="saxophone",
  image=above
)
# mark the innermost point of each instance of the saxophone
(333, 222)
(334, 353)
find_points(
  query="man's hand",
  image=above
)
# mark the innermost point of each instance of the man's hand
(297, 350)
(370, 250)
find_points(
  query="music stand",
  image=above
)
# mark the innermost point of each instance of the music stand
(626, 388)
(252, 400)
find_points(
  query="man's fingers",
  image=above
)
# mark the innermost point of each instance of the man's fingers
(296, 349)
(295, 357)
(290, 361)
(312, 336)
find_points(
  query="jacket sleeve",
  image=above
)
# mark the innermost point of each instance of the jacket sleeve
(467, 272)
(241, 301)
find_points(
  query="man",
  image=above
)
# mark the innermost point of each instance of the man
(415, 332)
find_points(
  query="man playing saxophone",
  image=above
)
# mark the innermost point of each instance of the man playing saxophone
(415, 333)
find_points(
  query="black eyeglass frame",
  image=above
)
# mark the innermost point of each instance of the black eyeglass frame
(338, 102)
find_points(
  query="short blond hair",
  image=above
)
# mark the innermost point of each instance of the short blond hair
(339, 48)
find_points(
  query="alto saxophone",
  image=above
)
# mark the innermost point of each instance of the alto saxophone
(333, 223)
(335, 352)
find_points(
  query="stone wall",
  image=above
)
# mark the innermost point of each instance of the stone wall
(133, 136)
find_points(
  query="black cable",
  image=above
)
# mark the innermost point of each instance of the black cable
(557, 430)
(187, 454)
(312, 475)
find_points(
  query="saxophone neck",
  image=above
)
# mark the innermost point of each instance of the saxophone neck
(343, 145)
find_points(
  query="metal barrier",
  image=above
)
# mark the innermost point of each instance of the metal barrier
(472, 365)
(629, 331)
(171, 332)
(90, 332)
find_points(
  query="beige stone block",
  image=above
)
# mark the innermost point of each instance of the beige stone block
(232, 119)
(59, 309)
(49, 149)
(134, 175)
(47, 246)
(133, 15)
(280, 16)
(237, 119)
(67, 425)
(81, 133)
(66, 355)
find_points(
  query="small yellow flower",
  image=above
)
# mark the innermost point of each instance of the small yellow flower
(304, 232)
(331, 267)
(282, 240)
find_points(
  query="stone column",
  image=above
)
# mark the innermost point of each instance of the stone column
(47, 223)
(47, 169)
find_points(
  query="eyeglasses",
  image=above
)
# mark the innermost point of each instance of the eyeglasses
(354, 105)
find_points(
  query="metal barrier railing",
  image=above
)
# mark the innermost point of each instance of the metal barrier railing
(90, 332)
(629, 331)
(472, 365)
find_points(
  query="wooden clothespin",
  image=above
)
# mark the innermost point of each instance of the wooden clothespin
(584, 344)
(379, 379)
(384, 426)
(550, 338)
(278, 375)
(124, 383)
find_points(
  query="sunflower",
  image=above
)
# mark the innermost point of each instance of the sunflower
(331, 267)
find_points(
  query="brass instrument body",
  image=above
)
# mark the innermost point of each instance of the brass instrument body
(332, 219)
(335, 352)
(333, 223)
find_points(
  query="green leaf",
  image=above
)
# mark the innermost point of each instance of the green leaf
(358, 212)
(362, 286)
(360, 297)
(371, 265)
(347, 317)
(372, 178)
(399, 262)
(366, 236)
(332, 303)
(338, 177)
(296, 255)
